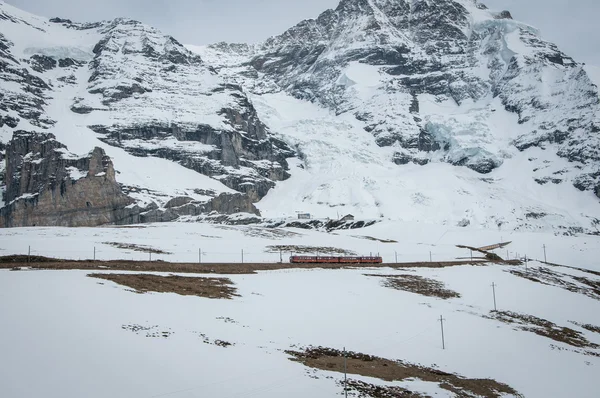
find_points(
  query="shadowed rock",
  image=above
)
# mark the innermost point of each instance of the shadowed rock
(47, 186)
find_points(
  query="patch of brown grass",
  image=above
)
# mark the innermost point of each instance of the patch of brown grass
(371, 366)
(544, 328)
(137, 248)
(214, 288)
(589, 327)
(418, 284)
(549, 277)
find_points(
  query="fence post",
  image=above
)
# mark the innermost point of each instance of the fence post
(29, 254)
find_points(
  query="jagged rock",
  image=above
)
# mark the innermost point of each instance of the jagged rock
(67, 62)
(42, 63)
(261, 161)
(227, 203)
(45, 187)
(26, 93)
(60, 20)
(503, 15)
(177, 202)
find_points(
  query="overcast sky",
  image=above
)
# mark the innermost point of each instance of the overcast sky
(570, 24)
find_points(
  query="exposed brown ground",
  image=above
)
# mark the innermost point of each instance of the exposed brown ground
(545, 328)
(137, 248)
(552, 277)
(214, 288)
(388, 370)
(591, 328)
(417, 284)
(37, 262)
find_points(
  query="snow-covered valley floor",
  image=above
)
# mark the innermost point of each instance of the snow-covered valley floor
(64, 334)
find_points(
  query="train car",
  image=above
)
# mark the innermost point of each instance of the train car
(333, 259)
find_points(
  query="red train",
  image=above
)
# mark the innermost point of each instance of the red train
(331, 259)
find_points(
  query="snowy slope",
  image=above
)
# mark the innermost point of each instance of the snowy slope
(67, 329)
(483, 92)
(343, 171)
(379, 108)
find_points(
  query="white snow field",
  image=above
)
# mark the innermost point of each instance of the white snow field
(62, 333)
(344, 171)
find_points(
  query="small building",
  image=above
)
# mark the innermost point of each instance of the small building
(303, 216)
(348, 217)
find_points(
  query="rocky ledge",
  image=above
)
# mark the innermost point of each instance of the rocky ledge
(45, 185)
(48, 186)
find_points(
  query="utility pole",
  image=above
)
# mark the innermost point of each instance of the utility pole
(242, 256)
(29, 254)
(94, 253)
(471, 255)
(396, 255)
(545, 260)
(150, 256)
(442, 324)
(345, 374)
(200, 255)
(430, 258)
(494, 292)
(280, 256)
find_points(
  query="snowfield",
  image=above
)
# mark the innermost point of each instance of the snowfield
(67, 335)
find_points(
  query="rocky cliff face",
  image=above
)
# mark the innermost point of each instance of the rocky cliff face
(47, 186)
(165, 101)
(425, 77)
(125, 85)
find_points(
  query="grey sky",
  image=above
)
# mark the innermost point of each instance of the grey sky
(570, 24)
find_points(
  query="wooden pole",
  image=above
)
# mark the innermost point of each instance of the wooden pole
(442, 324)
(345, 374)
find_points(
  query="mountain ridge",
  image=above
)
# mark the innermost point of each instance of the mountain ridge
(370, 87)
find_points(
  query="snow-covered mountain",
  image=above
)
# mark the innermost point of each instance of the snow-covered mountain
(438, 111)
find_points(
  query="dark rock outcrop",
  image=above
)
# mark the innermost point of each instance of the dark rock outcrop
(46, 187)
(178, 201)
(29, 100)
(42, 63)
